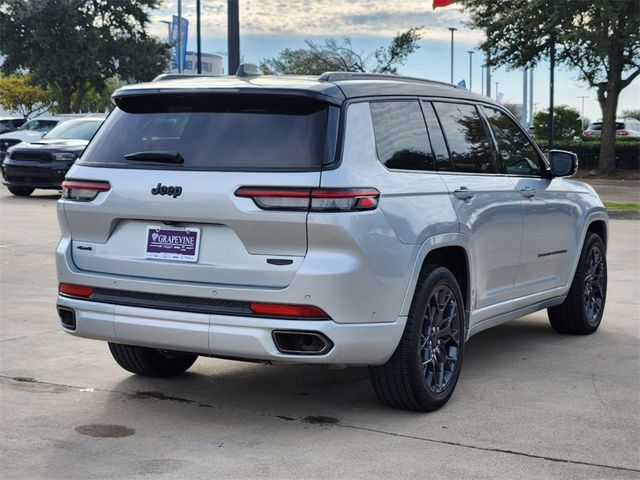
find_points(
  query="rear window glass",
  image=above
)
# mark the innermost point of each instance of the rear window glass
(39, 125)
(401, 135)
(598, 126)
(74, 130)
(218, 132)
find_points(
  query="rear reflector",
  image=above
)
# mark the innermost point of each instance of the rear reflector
(75, 290)
(289, 311)
(312, 199)
(83, 190)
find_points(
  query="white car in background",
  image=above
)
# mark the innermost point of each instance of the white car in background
(626, 127)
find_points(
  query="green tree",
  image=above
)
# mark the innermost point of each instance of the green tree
(566, 119)
(18, 94)
(599, 38)
(75, 45)
(631, 114)
(339, 55)
(515, 110)
(95, 101)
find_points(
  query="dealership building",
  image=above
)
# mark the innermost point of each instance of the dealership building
(211, 64)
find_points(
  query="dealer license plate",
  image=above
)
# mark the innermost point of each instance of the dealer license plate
(173, 243)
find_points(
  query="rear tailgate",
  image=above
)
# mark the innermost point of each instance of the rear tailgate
(225, 144)
(236, 238)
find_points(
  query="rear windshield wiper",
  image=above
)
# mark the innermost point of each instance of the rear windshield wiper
(160, 156)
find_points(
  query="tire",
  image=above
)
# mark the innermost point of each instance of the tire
(581, 312)
(408, 380)
(151, 362)
(21, 191)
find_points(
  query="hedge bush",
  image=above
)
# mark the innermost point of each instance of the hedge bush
(627, 153)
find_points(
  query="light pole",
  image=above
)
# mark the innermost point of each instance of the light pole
(481, 79)
(180, 36)
(470, 52)
(452, 29)
(168, 41)
(233, 35)
(497, 83)
(582, 97)
(168, 28)
(198, 39)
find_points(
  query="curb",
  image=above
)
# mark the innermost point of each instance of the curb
(624, 214)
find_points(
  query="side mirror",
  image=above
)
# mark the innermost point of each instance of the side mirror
(563, 163)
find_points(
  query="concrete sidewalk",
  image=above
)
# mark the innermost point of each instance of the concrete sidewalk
(617, 191)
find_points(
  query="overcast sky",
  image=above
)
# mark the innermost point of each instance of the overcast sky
(269, 26)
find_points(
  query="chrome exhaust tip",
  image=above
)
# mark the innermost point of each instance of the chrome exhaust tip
(301, 343)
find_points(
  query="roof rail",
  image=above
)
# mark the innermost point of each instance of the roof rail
(341, 76)
(174, 76)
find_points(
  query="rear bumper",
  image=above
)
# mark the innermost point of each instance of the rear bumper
(231, 336)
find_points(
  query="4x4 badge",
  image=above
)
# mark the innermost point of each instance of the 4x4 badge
(164, 190)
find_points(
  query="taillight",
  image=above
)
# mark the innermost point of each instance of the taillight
(312, 199)
(587, 133)
(83, 190)
(624, 133)
(288, 311)
(75, 290)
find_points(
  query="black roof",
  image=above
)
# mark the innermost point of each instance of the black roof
(334, 87)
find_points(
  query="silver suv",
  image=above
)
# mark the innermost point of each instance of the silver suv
(346, 219)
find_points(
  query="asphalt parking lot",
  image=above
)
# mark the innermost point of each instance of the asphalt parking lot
(530, 403)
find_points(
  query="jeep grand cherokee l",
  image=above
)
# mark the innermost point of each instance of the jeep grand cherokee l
(346, 219)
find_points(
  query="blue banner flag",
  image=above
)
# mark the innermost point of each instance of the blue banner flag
(173, 39)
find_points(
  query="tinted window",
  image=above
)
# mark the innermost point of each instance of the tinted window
(401, 135)
(517, 155)
(438, 145)
(217, 132)
(466, 137)
(39, 125)
(597, 126)
(75, 129)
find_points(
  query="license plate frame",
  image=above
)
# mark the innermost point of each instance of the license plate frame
(165, 242)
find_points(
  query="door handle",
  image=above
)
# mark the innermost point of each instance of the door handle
(528, 192)
(463, 193)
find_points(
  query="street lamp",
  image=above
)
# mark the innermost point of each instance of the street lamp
(168, 29)
(582, 111)
(452, 29)
(470, 52)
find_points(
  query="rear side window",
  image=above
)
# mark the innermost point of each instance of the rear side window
(517, 154)
(401, 135)
(467, 138)
(218, 132)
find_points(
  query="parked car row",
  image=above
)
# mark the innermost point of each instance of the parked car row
(33, 158)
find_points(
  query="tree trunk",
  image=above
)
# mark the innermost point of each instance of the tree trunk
(77, 104)
(64, 105)
(609, 106)
(608, 93)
